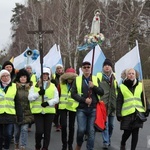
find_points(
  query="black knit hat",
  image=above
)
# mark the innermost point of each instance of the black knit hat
(107, 62)
(7, 63)
(22, 72)
(13, 69)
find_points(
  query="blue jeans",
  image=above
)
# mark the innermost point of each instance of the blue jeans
(85, 123)
(6, 132)
(21, 134)
(107, 133)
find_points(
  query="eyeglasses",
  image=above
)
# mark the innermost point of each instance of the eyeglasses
(5, 76)
(86, 67)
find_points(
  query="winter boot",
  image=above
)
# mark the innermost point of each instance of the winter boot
(78, 147)
(22, 148)
(122, 147)
(17, 146)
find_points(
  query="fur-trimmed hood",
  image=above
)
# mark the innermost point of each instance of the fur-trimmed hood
(27, 85)
(66, 76)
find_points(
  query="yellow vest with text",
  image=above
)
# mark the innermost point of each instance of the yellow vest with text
(79, 84)
(7, 104)
(66, 102)
(100, 75)
(132, 101)
(36, 107)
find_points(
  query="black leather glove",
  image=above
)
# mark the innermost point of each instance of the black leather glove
(41, 91)
(19, 120)
(119, 118)
(44, 104)
(146, 113)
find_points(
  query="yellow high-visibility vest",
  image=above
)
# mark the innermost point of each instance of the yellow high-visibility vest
(66, 102)
(7, 104)
(36, 107)
(79, 84)
(131, 101)
(33, 79)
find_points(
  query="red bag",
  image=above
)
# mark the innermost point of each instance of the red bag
(101, 116)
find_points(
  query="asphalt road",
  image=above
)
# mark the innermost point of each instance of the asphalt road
(55, 144)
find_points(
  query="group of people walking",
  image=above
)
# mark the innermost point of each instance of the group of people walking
(64, 97)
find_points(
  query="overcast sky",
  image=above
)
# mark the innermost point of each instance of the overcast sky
(6, 13)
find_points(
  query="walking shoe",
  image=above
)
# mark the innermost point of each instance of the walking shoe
(85, 137)
(44, 149)
(122, 147)
(64, 146)
(22, 148)
(29, 129)
(78, 147)
(16, 146)
(58, 128)
(105, 146)
(70, 147)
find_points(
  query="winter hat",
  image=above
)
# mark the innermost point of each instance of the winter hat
(59, 65)
(22, 72)
(7, 63)
(107, 62)
(70, 70)
(28, 66)
(69, 74)
(47, 70)
(4, 71)
(86, 63)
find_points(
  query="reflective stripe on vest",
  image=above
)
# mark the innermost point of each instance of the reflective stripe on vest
(7, 104)
(36, 105)
(131, 102)
(100, 75)
(66, 102)
(79, 84)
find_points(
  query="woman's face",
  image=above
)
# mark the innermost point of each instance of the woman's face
(9, 68)
(45, 76)
(131, 74)
(23, 79)
(5, 77)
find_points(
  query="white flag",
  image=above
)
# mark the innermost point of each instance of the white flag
(99, 58)
(51, 59)
(22, 60)
(129, 60)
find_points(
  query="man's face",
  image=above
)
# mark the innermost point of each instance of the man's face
(59, 70)
(29, 69)
(86, 69)
(107, 69)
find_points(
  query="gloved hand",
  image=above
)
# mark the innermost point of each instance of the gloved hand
(19, 120)
(41, 91)
(44, 104)
(119, 118)
(146, 113)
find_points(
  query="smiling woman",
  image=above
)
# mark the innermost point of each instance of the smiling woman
(6, 13)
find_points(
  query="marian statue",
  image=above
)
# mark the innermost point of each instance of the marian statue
(95, 28)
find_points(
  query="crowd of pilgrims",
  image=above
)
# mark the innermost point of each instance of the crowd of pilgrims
(63, 97)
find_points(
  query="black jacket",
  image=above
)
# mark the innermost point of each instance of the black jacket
(130, 121)
(8, 118)
(85, 90)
